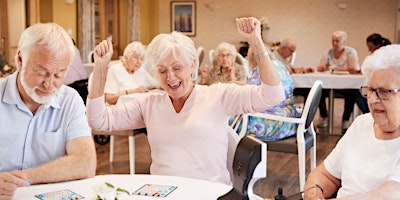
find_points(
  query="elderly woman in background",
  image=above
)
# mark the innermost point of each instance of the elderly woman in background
(348, 168)
(187, 126)
(339, 58)
(226, 70)
(128, 76)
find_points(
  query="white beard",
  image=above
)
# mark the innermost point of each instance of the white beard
(31, 90)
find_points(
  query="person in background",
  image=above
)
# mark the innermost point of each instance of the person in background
(187, 126)
(284, 53)
(339, 58)
(374, 42)
(76, 76)
(365, 164)
(128, 76)
(226, 70)
(203, 73)
(3, 63)
(265, 129)
(45, 136)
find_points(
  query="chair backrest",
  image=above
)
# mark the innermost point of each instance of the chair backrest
(242, 61)
(200, 53)
(90, 57)
(212, 58)
(312, 102)
(293, 58)
(249, 164)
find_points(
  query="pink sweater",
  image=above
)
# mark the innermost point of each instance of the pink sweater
(194, 142)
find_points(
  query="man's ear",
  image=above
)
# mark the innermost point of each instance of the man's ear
(19, 60)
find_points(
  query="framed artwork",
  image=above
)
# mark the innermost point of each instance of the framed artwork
(183, 17)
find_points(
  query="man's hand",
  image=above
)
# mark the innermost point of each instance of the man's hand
(10, 181)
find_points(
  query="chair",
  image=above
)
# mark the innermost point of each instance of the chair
(305, 138)
(90, 57)
(200, 53)
(247, 163)
(293, 58)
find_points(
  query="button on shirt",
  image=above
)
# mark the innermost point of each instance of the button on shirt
(28, 140)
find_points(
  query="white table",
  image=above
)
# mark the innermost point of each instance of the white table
(337, 80)
(187, 188)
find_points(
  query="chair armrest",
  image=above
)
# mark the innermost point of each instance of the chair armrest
(278, 118)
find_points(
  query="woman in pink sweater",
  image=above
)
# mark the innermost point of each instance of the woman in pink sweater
(187, 126)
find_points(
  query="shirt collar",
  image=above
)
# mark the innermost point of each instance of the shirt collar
(12, 96)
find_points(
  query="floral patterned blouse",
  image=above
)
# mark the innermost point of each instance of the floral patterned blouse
(270, 130)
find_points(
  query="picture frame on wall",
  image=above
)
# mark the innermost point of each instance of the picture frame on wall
(183, 17)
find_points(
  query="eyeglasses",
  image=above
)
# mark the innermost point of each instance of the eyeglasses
(382, 94)
(225, 55)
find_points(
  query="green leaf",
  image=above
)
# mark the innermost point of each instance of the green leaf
(110, 185)
(123, 190)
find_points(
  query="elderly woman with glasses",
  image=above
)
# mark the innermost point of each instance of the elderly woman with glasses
(226, 70)
(365, 163)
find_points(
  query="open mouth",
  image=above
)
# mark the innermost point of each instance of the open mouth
(175, 86)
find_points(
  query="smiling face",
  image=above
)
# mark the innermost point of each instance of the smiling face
(175, 76)
(42, 74)
(386, 113)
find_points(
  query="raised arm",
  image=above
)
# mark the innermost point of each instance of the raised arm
(102, 56)
(249, 28)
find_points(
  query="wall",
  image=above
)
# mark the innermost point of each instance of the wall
(309, 22)
(65, 15)
(148, 20)
(16, 25)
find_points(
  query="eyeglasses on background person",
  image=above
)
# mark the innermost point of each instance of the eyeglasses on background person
(382, 94)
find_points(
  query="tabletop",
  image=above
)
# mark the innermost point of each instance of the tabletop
(336, 80)
(186, 188)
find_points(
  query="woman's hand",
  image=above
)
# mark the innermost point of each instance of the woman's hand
(249, 28)
(103, 52)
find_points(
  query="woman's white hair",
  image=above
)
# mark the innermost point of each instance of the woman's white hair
(134, 48)
(52, 35)
(383, 58)
(226, 46)
(340, 34)
(180, 45)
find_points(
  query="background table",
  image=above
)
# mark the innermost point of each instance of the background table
(336, 80)
(187, 188)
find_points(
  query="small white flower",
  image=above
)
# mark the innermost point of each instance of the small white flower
(108, 192)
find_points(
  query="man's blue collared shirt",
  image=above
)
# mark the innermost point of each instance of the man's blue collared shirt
(28, 140)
